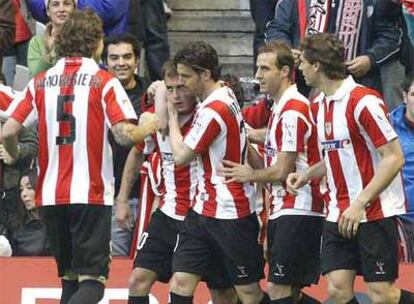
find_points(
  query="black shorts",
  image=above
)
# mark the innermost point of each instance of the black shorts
(294, 243)
(373, 253)
(221, 249)
(156, 245)
(80, 237)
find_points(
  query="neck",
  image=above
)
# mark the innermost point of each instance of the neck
(330, 86)
(56, 30)
(210, 87)
(130, 84)
(283, 87)
(184, 118)
(409, 117)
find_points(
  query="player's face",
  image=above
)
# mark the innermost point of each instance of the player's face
(268, 74)
(183, 100)
(409, 100)
(27, 193)
(308, 71)
(190, 79)
(59, 10)
(122, 62)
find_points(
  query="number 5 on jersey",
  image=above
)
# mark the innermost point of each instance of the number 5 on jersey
(66, 119)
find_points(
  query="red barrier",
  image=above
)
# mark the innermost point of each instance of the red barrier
(34, 281)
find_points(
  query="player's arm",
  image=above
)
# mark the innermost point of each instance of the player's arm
(128, 134)
(276, 173)
(182, 153)
(392, 160)
(129, 175)
(9, 137)
(254, 159)
(256, 136)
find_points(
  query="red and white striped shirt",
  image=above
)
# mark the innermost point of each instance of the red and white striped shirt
(179, 183)
(352, 124)
(218, 133)
(75, 104)
(7, 95)
(290, 129)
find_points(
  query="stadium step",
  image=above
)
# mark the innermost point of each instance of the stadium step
(225, 24)
(208, 4)
(211, 21)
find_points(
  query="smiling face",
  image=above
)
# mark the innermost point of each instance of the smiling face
(27, 193)
(58, 11)
(180, 96)
(122, 62)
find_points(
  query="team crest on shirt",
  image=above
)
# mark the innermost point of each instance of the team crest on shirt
(328, 128)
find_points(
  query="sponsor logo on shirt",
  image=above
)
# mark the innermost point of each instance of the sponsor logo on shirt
(168, 157)
(270, 151)
(335, 144)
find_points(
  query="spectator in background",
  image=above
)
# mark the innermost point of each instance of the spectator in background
(7, 26)
(41, 54)
(148, 22)
(12, 169)
(373, 38)
(30, 239)
(121, 55)
(114, 13)
(262, 12)
(18, 53)
(408, 12)
(402, 119)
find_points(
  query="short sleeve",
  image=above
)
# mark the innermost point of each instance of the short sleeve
(118, 107)
(204, 130)
(292, 132)
(371, 115)
(24, 109)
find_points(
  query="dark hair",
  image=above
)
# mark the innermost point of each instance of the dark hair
(408, 82)
(169, 69)
(199, 56)
(118, 39)
(329, 51)
(80, 35)
(284, 55)
(235, 84)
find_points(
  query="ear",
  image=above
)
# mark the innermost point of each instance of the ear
(405, 97)
(317, 66)
(206, 75)
(285, 71)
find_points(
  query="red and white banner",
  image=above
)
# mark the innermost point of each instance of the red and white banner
(34, 281)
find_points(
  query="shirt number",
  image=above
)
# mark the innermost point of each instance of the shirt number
(66, 117)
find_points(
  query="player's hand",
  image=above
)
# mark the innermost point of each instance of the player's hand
(359, 66)
(295, 181)
(349, 221)
(123, 214)
(172, 109)
(149, 123)
(235, 172)
(153, 88)
(5, 156)
(254, 136)
(296, 54)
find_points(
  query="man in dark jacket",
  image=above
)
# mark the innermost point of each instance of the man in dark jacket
(367, 26)
(7, 27)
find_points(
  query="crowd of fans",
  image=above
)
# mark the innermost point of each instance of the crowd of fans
(378, 37)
